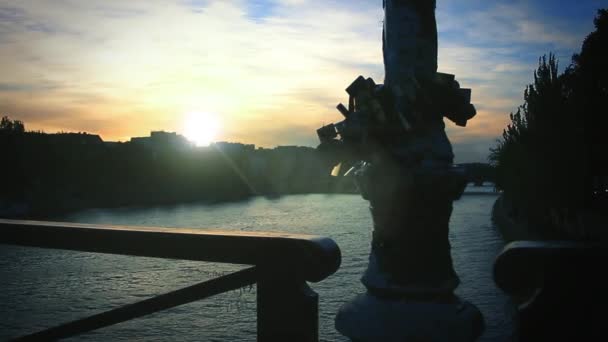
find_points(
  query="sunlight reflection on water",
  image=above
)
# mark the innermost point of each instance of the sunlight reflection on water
(41, 288)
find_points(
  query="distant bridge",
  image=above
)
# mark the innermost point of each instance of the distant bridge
(479, 173)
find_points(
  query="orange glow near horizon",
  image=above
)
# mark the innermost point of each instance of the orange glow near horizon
(124, 69)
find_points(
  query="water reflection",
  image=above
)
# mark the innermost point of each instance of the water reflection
(41, 288)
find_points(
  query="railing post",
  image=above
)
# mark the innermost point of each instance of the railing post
(558, 287)
(287, 308)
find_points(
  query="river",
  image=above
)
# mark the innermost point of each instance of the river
(40, 288)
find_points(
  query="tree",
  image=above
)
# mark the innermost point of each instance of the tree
(552, 155)
(588, 82)
(13, 126)
(530, 158)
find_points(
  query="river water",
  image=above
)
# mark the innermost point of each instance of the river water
(40, 288)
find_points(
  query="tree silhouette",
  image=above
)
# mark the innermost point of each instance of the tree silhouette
(552, 155)
(13, 126)
(588, 82)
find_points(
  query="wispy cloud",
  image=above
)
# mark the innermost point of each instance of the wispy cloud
(493, 47)
(170, 58)
(272, 70)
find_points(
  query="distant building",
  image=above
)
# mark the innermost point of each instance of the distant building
(112, 144)
(162, 139)
(233, 148)
(141, 141)
(76, 138)
(169, 139)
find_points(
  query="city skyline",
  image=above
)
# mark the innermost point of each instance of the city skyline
(260, 72)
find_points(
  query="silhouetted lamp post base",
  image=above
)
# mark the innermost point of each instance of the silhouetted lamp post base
(410, 278)
(406, 172)
(372, 318)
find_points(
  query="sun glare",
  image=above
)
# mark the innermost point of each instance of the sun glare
(201, 128)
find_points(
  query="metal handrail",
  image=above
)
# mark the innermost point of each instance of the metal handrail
(286, 307)
(558, 287)
(165, 301)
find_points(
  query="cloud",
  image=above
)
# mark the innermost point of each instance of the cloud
(272, 70)
(508, 24)
(217, 59)
(493, 47)
(472, 150)
(25, 87)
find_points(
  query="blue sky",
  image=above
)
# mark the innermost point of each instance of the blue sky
(270, 72)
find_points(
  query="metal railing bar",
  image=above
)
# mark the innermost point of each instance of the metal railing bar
(314, 257)
(520, 265)
(165, 301)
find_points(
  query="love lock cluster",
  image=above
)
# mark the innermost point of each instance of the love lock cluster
(372, 121)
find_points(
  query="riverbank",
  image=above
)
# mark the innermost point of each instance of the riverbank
(40, 209)
(509, 228)
(579, 226)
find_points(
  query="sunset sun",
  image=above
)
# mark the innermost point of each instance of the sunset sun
(201, 128)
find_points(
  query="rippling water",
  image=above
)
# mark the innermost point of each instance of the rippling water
(40, 288)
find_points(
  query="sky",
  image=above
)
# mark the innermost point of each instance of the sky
(267, 72)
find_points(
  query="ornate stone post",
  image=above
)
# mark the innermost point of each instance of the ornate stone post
(396, 131)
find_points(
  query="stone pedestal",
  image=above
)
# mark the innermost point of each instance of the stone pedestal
(411, 208)
(410, 277)
(410, 183)
(372, 318)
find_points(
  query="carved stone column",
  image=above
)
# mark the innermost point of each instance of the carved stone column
(408, 178)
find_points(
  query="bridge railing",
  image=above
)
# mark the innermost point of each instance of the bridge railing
(287, 309)
(559, 289)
